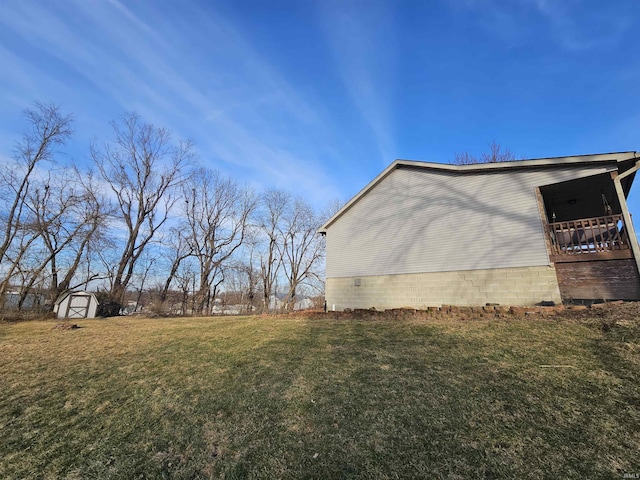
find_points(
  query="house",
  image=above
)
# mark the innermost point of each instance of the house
(514, 233)
(33, 300)
(76, 305)
(279, 302)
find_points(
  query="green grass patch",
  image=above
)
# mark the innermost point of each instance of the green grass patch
(258, 397)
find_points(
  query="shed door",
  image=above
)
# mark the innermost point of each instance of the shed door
(78, 306)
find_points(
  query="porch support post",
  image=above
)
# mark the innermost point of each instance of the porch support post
(631, 232)
(545, 225)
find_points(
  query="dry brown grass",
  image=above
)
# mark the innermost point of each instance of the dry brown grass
(258, 397)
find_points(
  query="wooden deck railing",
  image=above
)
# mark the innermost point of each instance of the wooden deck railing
(588, 235)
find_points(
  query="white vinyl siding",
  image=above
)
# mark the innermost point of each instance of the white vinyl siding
(423, 220)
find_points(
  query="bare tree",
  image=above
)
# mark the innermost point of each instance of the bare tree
(218, 212)
(142, 167)
(495, 154)
(246, 272)
(302, 247)
(177, 251)
(67, 215)
(147, 262)
(47, 127)
(251, 273)
(186, 279)
(273, 205)
(93, 212)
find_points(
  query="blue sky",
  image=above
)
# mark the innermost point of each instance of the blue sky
(317, 97)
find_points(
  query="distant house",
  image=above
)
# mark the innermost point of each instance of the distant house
(76, 305)
(31, 301)
(279, 302)
(513, 233)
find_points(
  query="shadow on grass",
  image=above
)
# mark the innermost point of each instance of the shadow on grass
(330, 399)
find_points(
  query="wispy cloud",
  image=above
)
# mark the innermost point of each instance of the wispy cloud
(188, 69)
(578, 27)
(572, 24)
(361, 37)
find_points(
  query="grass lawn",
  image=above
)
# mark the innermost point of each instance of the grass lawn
(255, 397)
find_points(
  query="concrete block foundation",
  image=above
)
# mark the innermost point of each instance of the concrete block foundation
(504, 286)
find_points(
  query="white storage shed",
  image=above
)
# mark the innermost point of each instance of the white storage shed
(76, 305)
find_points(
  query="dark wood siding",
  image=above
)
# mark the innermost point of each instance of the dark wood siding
(599, 280)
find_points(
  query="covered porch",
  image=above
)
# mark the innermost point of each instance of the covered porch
(579, 240)
(589, 238)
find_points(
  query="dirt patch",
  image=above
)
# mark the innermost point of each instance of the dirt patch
(66, 326)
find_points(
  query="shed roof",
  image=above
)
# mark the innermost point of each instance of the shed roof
(70, 292)
(614, 158)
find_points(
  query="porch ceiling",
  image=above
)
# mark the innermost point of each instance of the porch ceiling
(580, 198)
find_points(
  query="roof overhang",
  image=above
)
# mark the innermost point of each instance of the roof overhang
(621, 161)
(64, 295)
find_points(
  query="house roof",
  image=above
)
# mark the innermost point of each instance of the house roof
(550, 162)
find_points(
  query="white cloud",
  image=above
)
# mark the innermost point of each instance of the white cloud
(205, 82)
